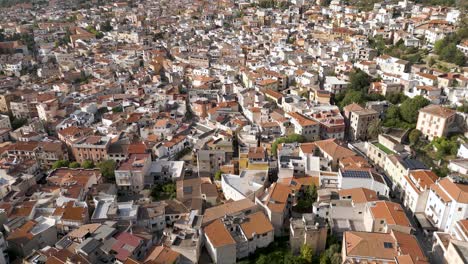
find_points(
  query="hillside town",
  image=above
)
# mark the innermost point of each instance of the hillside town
(233, 131)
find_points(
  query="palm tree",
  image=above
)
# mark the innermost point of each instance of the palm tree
(374, 129)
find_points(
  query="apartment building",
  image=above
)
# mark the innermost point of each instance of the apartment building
(307, 230)
(447, 203)
(435, 121)
(359, 122)
(234, 237)
(305, 126)
(276, 202)
(416, 186)
(92, 148)
(393, 247)
(130, 174)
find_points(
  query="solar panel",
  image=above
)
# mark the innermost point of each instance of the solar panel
(356, 174)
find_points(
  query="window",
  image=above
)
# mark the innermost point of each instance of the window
(382, 222)
(388, 245)
(460, 209)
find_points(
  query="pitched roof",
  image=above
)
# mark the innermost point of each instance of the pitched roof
(218, 235)
(438, 110)
(256, 224)
(392, 212)
(228, 208)
(359, 195)
(382, 245)
(302, 120)
(457, 191)
(352, 107)
(333, 149)
(162, 255)
(425, 177)
(277, 197)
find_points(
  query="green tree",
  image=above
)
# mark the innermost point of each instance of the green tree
(410, 107)
(74, 165)
(106, 26)
(163, 191)
(395, 98)
(359, 80)
(217, 175)
(331, 255)
(88, 164)
(431, 61)
(306, 201)
(306, 253)
(107, 169)
(353, 96)
(18, 122)
(375, 128)
(60, 164)
(289, 139)
(117, 109)
(414, 136)
(445, 146)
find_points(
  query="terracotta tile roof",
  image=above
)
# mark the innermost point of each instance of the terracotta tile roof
(438, 110)
(278, 197)
(352, 107)
(229, 208)
(408, 245)
(359, 195)
(257, 153)
(23, 209)
(385, 246)
(392, 212)
(256, 223)
(302, 120)
(354, 162)
(369, 245)
(274, 94)
(333, 149)
(457, 191)
(125, 245)
(438, 190)
(137, 148)
(22, 235)
(74, 131)
(464, 226)
(218, 235)
(427, 76)
(74, 213)
(162, 255)
(308, 148)
(425, 177)
(83, 230)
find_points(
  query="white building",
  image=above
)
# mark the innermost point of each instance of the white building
(334, 85)
(416, 189)
(231, 238)
(447, 203)
(245, 185)
(130, 175)
(348, 179)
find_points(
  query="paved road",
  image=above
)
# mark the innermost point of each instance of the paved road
(424, 241)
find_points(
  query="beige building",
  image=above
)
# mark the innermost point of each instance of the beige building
(435, 121)
(307, 231)
(277, 204)
(393, 247)
(234, 237)
(304, 126)
(358, 120)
